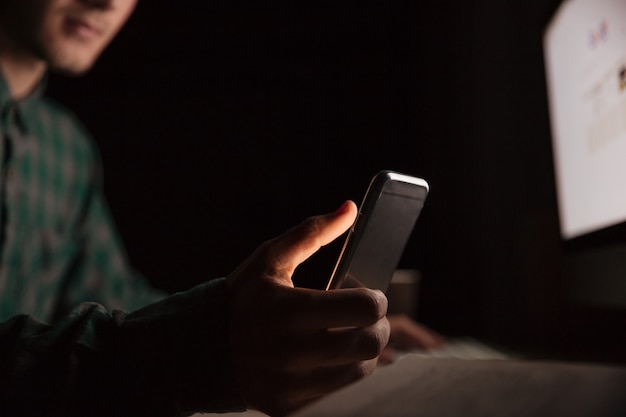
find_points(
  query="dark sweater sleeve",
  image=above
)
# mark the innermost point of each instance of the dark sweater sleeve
(170, 358)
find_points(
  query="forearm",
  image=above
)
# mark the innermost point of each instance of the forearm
(175, 354)
(170, 358)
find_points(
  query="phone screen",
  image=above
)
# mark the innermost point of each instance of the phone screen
(377, 239)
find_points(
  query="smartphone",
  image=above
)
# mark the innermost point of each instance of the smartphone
(376, 240)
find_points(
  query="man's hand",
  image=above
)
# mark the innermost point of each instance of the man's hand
(292, 345)
(407, 335)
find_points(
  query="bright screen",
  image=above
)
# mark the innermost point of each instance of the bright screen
(585, 58)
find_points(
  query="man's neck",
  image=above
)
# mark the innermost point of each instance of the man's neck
(21, 70)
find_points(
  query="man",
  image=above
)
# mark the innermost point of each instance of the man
(248, 340)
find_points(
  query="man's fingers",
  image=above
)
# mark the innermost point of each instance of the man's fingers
(293, 247)
(335, 347)
(312, 310)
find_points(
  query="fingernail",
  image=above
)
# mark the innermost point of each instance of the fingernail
(342, 208)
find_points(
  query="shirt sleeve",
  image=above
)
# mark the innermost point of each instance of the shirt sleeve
(168, 359)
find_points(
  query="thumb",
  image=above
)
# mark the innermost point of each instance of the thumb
(300, 242)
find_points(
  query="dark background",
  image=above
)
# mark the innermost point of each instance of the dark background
(221, 124)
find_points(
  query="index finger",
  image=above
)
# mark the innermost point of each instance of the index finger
(312, 310)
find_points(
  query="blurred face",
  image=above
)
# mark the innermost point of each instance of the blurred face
(68, 35)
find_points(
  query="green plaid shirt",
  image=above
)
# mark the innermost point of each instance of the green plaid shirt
(59, 246)
(66, 346)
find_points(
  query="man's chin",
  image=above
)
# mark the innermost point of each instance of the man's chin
(69, 63)
(71, 70)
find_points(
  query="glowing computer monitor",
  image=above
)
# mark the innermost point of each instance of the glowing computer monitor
(585, 60)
